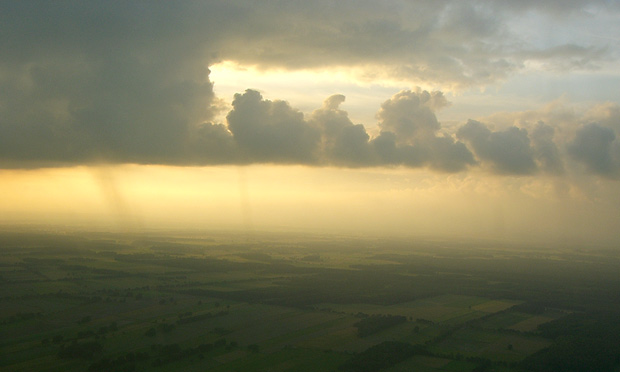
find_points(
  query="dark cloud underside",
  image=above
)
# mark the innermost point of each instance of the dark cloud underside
(596, 147)
(128, 82)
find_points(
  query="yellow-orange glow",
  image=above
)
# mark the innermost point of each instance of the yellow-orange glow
(365, 201)
(306, 89)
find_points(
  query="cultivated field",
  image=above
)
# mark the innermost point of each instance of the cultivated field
(214, 302)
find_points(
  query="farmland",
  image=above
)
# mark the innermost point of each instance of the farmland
(215, 301)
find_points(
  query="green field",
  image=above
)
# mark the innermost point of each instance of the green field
(167, 302)
(440, 309)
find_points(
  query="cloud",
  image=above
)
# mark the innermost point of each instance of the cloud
(410, 114)
(568, 57)
(271, 131)
(351, 147)
(212, 144)
(449, 156)
(545, 151)
(452, 43)
(95, 81)
(562, 139)
(261, 130)
(385, 147)
(343, 143)
(507, 151)
(606, 114)
(410, 133)
(128, 82)
(596, 147)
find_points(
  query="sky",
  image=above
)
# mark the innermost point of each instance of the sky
(484, 119)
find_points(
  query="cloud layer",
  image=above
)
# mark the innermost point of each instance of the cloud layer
(128, 82)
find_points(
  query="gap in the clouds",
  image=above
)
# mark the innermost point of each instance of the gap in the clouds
(306, 89)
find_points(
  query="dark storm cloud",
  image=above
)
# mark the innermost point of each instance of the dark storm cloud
(454, 43)
(272, 131)
(411, 115)
(91, 81)
(212, 144)
(343, 143)
(128, 82)
(508, 151)
(596, 147)
(269, 131)
(545, 151)
(351, 147)
(449, 156)
(410, 133)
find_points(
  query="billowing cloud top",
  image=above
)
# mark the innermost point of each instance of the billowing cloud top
(128, 82)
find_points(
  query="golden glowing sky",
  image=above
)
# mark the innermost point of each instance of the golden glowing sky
(394, 202)
(485, 119)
